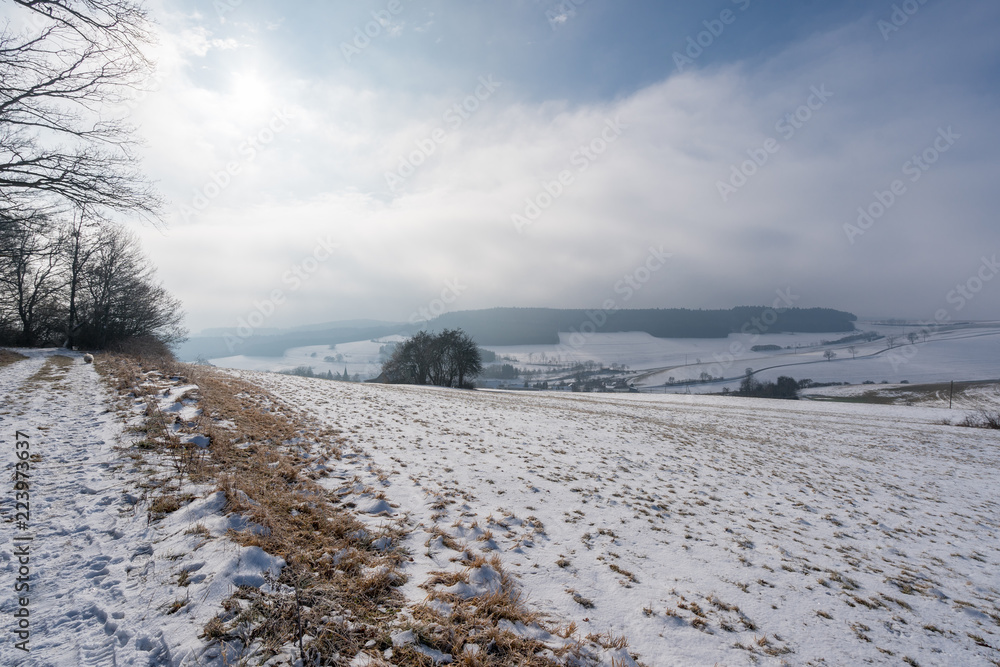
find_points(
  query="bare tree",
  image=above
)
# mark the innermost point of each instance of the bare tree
(78, 249)
(58, 77)
(912, 336)
(30, 280)
(829, 354)
(122, 298)
(853, 350)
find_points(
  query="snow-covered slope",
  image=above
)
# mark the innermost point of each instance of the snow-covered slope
(703, 529)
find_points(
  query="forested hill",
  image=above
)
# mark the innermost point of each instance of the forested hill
(540, 326)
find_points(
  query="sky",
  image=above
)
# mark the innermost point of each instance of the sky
(397, 158)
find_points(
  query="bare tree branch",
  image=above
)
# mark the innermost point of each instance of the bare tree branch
(59, 148)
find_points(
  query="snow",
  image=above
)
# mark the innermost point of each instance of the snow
(106, 583)
(702, 529)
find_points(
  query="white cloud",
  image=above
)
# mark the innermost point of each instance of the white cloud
(198, 41)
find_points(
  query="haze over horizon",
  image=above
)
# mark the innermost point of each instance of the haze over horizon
(536, 154)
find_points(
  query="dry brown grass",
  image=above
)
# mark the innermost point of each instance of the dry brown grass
(982, 418)
(166, 504)
(8, 357)
(292, 516)
(53, 370)
(469, 630)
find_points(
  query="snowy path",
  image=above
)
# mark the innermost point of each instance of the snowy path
(103, 578)
(85, 607)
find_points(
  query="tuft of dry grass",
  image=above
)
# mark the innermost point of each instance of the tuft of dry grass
(165, 504)
(199, 529)
(586, 603)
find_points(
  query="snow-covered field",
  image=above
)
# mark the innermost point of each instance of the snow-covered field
(962, 353)
(705, 530)
(967, 396)
(938, 360)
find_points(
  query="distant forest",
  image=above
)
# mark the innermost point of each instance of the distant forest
(541, 326)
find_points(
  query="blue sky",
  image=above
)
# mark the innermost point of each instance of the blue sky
(446, 150)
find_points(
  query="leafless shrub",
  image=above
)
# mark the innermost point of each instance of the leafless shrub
(982, 418)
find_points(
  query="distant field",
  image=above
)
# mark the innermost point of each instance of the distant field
(963, 395)
(964, 353)
(704, 530)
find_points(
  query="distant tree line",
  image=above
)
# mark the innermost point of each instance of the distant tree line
(501, 372)
(79, 284)
(866, 336)
(308, 372)
(541, 326)
(785, 387)
(448, 359)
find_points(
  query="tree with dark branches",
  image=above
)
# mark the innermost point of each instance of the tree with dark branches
(448, 359)
(78, 249)
(30, 277)
(69, 273)
(120, 297)
(61, 69)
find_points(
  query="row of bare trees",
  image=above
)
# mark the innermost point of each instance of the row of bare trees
(80, 284)
(69, 271)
